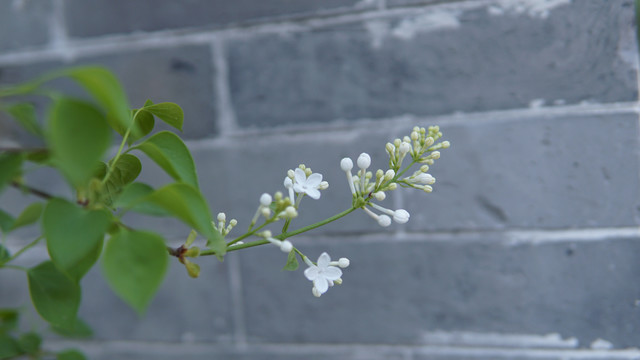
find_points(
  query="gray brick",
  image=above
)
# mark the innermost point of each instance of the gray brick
(395, 293)
(99, 17)
(175, 314)
(546, 172)
(439, 60)
(27, 22)
(183, 75)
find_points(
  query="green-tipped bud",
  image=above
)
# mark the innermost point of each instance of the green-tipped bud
(428, 141)
(190, 239)
(390, 148)
(397, 142)
(446, 144)
(277, 196)
(192, 252)
(424, 168)
(193, 269)
(379, 174)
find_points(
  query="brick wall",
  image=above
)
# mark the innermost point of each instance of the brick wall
(526, 249)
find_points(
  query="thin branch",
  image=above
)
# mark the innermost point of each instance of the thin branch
(31, 190)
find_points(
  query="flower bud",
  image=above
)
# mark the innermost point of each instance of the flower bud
(390, 148)
(427, 189)
(384, 220)
(290, 212)
(266, 212)
(393, 186)
(364, 161)
(266, 233)
(265, 199)
(315, 292)
(414, 135)
(424, 168)
(323, 185)
(233, 223)
(222, 217)
(389, 175)
(192, 252)
(400, 216)
(343, 262)
(404, 148)
(380, 195)
(397, 142)
(286, 246)
(193, 269)
(446, 144)
(277, 196)
(435, 155)
(290, 174)
(346, 164)
(338, 281)
(429, 141)
(288, 183)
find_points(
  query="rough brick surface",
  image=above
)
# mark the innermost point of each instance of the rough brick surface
(544, 172)
(27, 22)
(100, 17)
(406, 290)
(182, 74)
(438, 61)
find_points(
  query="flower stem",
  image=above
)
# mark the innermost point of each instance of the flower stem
(281, 236)
(27, 247)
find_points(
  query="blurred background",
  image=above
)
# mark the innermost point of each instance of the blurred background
(526, 249)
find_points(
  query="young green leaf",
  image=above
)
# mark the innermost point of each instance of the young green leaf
(8, 320)
(143, 125)
(78, 135)
(25, 115)
(187, 204)
(80, 329)
(28, 216)
(125, 171)
(6, 221)
(5, 255)
(9, 347)
(168, 151)
(70, 354)
(55, 296)
(133, 198)
(10, 166)
(74, 236)
(134, 265)
(30, 342)
(292, 262)
(106, 89)
(168, 112)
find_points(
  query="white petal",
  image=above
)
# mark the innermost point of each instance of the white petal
(313, 193)
(300, 176)
(311, 272)
(314, 180)
(324, 260)
(287, 182)
(332, 273)
(321, 284)
(298, 188)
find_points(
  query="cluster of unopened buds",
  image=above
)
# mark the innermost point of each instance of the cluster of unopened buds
(420, 146)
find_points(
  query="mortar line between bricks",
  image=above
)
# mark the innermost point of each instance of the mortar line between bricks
(226, 123)
(508, 237)
(59, 40)
(84, 47)
(167, 348)
(237, 302)
(363, 126)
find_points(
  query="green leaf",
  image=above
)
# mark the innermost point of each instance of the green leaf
(74, 236)
(168, 151)
(28, 216)
(55, 296)
(25, 114)
(4, 254)
(187, 204)
(6, 221)
(134, 265)
(104, 86)
(8, 319)
(78, 135)
(70, 354)
(80, 329)
(10, 166)
(30, 342)
(168, 112)
(126, 170)
(9, 347)
(133, 196)
(143, 125)
(292, 262)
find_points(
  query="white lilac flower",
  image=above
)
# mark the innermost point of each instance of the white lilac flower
(307, 185)
(383, 220)
(400, 216)
(323, 274)
(288, 184)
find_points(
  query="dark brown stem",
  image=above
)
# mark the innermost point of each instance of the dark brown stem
(31, 190)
